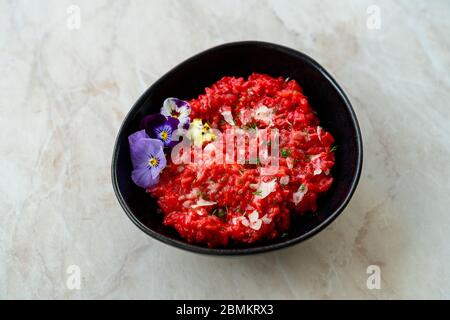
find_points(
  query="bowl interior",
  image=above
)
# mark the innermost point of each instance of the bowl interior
(189, 79)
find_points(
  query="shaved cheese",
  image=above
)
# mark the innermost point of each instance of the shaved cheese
(290, 163)
(317, 164)
(201, 212)
(264, 114)
(266, 188)
(187, 204)
(255, 221)
(245, 116)
(203, 203)
(319, 132)
(256, 225)
(253, 185)
(297, 197)
(191, 195)
(266, 219)
(284, 180)
(244, 221)
(253, 216)
(213, 187)
(228, 117)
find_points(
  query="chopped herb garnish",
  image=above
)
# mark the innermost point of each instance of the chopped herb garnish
(285, 153)
(257, 193)
(220, 212)
(284, 235)
(333, 149)
(302, 187)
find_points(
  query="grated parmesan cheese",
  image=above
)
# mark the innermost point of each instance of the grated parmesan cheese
(266, 188)
(264, 114)
(284, 180)
(297, 197)
(203, 203)
(290, 163)
(228, 117)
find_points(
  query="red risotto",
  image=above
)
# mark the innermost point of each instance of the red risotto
(217, 204)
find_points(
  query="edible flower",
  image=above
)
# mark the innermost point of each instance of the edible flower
(200, 132)
(178, 109)
(147, 158)
(159, 127)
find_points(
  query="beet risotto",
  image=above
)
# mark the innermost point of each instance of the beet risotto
(216, 203)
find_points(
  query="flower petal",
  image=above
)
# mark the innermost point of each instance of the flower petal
(180, 103)
(184, 119)
(180, 107)
(132, 139)
(173, 123)
(162, 162)
(143, 178)
(142, 150)
(149, 123)
(169, 105)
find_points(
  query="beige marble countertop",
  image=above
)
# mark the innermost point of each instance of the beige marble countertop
(66, 87)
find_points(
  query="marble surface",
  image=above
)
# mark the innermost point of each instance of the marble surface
(65, 91)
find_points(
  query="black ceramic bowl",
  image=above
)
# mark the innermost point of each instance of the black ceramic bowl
(189, 79)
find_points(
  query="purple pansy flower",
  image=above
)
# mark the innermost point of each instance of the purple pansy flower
(157, 126)
(148, 159)
(177, 109)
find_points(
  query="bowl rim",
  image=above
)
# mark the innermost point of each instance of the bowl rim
(263, 248)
